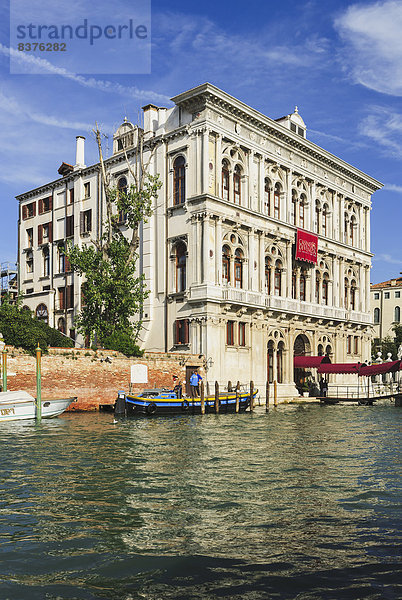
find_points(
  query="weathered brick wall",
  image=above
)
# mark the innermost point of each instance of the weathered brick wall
(90, 376)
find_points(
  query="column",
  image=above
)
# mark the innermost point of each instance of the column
(335, 278)
(288, 196)
(341, 219)
(261, 263)
(251, 258)
(367, 290)
(311, 212)
(289, 268)
(204, 161)
(368, 240)
(218, 251)
(261, 185)
(361, 301)
(205, 250)
(218, 165)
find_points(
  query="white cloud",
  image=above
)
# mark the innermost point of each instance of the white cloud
(388, 259)
(373, 53)
(384, 126)
(100, 84)
(23, 112)
(391, 187)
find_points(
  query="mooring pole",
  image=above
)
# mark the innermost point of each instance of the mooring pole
(38, 385)
(251, 395)
(216, 397)
(275, 394)
(4, 369)
(202, 398)
(267, 397)
(237, 396)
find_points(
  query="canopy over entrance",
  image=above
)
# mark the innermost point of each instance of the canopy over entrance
(387, 367)
(339, 368)
(309, 362)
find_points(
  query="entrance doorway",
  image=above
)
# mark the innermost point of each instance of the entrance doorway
(301, 347)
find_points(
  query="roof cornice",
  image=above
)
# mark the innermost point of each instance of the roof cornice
(207, 95)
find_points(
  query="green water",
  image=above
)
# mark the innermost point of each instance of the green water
(302, 502)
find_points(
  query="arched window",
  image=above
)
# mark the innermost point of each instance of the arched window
(376, 315)
(179, 180)
(317, 216)
(325, 220)
(397, 314)
(237, 185)
(270, 361)
(226, 264)
(181, 259)
(278, 278)
(294, 277)
(61, 325)
(317, 287)
(346, 223)
(41, 313)
(352, 226)
(238, 268)
(46, 261)
(325, 289)
(353, 295)
(303, 286)
(277, 201)
(122, 186)
(122, 191)
(320, 350)
(267, 275)
(301, 214)
(346, 295)
(279, 362)
(267, 197)
(225, 180)
(293, 208)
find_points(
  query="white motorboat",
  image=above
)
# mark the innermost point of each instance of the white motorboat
(18, 405)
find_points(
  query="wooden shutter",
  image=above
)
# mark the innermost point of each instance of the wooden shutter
(62, 298)
(50, 232)
(70, 296)
(185, 325)
(40, 206)
(82, 223)
(40, 234)
(50, 203)
(176, 332)
(24, 212)
(89, 221)
(34, 209)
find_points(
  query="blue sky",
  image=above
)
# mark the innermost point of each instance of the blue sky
(339, 61)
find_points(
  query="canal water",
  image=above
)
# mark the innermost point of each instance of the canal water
(302, 502)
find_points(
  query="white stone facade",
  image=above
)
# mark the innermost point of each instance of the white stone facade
(386, 306)
(218, 251)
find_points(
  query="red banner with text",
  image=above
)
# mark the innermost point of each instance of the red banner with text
(306, 246)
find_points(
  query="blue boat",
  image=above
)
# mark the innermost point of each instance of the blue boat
(169, 402)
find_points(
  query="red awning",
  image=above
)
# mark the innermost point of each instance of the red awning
(309, 362)
(339, 368)
(387, 367)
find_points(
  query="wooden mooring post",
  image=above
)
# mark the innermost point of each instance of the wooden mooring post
(251, 395)
(237, 396)
(4, 369)
(202, 398)
(275, 393)
(216, 397)
(267, 396)
(38, 385)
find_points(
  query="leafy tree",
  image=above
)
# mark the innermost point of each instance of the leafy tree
(113, 293)
(388, 344)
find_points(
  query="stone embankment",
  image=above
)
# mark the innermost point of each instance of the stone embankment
(94, 377)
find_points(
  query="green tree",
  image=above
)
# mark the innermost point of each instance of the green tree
(388, 344)
(113, 292)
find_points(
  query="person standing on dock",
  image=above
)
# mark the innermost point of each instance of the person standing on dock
(194, 385)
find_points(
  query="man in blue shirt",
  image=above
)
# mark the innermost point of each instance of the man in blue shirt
(194, 385)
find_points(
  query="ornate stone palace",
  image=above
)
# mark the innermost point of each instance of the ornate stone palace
(258, 248)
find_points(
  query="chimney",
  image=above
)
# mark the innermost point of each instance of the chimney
(80, 153)
(150, 120)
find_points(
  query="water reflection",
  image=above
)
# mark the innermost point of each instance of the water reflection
(302, 502)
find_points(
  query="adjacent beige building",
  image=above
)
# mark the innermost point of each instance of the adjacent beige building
(386, 305)
(219, 254)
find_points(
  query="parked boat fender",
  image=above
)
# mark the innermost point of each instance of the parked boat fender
(151, 408)
(185, 405)
(120, 405)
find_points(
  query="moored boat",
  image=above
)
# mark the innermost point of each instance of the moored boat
(19, 405)
(167, 402)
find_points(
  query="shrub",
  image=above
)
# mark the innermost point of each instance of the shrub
(122, 342)
(21, 329)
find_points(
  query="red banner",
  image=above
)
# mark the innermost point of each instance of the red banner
(306, 246)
